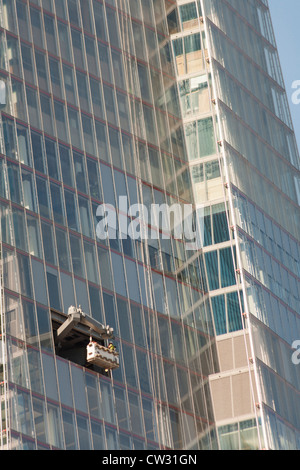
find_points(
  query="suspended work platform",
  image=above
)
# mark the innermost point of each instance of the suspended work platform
(102, 356)
(82, 339)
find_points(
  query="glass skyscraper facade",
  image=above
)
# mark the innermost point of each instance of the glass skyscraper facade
(162, 102)
(245, 172)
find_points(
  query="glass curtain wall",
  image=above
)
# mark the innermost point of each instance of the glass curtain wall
(197, 99)
(261, 163)
(245, 173)
(201, 133)
(92, 113)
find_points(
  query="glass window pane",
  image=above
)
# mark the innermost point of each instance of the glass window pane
(101, 135)
(108, 187)
(118, 274)
(80, 173)
(60, 8)
(220, 224)
(91, 266)
(129, 365)
(133, 284)
(50, 376)
(18, 219)
(55, 425)
(83, 433)
(97, 435)
(76, 252)
(93, 396)
(69, 84)
(206, 137)
(82, 295)
(64, 41)
(40, 419)
(143, 369)
(34, 236)
(74, 128)
(22, 136)
(73, 13)
(59, 110)
(124, 320)
(38, 153)
(48, 242)
(69, 427)
(13, 173)
(77, 48)
(53, 288)
(51, 154)
(227, 268)
(94, 179)
(229, 437)
(35, 370)
(23, 20)
(96, 308)
(50, 34)
(57, 203)
(110, 314)
(67, 291)
(33, 110)
(99, 20)
(42, 71)
(79, 391)
(88, 134)
(9, 137)
(46, 107)
(45, 328)
(66, 166)
(39, 282)
(233, 312)
(54, 67)
(65, 388)
(218, 306)
(71, 210)
(212, 269)
(62, 249)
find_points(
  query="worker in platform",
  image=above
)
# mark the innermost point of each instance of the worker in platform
(111, 347)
